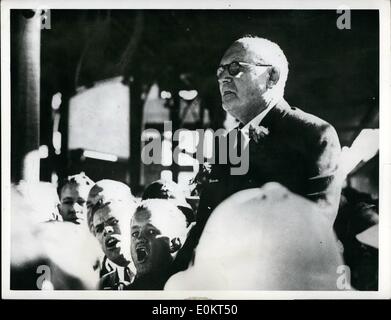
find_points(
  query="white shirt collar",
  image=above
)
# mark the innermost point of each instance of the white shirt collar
(254, 123)
(121, 273)
(110, 265)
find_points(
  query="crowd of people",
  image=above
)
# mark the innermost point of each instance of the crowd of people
(270, 228)
(100, 236)
(138, 237)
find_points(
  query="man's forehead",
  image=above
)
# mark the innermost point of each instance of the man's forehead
(109, 192)
(148, 218)
(103, 214)
(70, 190)
(239, 52)
(165, 222)
(141, 216)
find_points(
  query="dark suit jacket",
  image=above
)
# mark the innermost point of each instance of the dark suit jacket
(109, 278)
(300, 151)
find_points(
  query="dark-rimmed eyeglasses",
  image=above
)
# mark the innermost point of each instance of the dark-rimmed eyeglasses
(235, 66)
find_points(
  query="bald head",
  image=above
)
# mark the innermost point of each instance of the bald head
(268, 52)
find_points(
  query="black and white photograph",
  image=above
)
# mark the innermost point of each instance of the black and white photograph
(216, 149)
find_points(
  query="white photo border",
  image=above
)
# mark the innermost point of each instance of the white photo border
(384, 290)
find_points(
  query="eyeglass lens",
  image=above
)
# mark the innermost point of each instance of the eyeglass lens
(233, 68)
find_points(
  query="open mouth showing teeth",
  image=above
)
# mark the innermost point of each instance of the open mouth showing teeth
(111, 243)
(141, 254)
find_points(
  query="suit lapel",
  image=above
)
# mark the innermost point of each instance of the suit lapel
(270, 122)
(263, 151)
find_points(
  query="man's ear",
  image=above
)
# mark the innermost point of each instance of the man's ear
(175, 245)
(274, 76)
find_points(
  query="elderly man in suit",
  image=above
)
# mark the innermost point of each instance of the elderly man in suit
(284, 144)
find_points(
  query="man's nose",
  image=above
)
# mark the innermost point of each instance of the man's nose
(225, 77)
(108, 230)
(140, 240)
(142, 237)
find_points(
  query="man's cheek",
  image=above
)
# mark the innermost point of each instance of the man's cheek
(133, 252)
(117, 229)
(100, 239)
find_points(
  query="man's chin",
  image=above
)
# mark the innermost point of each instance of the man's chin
(231, 110)
(229, 107)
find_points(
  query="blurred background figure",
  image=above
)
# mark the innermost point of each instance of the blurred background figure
(158, 232)
(170, 190)
(264, 239)
(358, 213)
(359, 209)
(51, 255)
(110, 208)
(42, 199)
(73, 193)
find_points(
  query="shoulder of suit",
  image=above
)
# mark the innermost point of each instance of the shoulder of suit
(307, 123)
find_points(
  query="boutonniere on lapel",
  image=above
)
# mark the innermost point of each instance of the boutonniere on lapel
(258, 133)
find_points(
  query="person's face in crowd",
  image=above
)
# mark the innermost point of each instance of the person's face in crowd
(242, 94)
(109, 226)
(151, 242)
(108, 191)
(72, 205)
